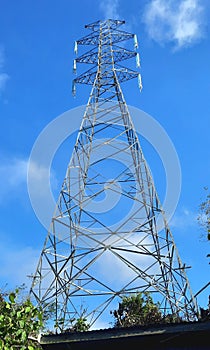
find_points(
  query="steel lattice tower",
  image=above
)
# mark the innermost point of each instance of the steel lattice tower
(90, 260)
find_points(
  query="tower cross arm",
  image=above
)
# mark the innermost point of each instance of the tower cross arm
(93, 38)
(119, 54)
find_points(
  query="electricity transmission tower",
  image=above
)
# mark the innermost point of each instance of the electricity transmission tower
(103, 241)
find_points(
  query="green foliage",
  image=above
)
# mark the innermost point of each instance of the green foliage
(18, 321)
(81, 325)
(140, 309)
(204, 215)
(137, 309)
(48, 318)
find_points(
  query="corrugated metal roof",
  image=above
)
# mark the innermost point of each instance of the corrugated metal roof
(139, 334)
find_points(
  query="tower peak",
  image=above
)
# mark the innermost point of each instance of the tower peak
(111, 23)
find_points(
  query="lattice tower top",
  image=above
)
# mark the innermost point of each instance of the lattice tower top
(106, 56)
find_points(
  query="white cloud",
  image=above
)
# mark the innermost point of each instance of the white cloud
(13, 175)
(180, 22)
(184, 219)
(110, 9)
(14, 269)
(3, 79)
(3, 76)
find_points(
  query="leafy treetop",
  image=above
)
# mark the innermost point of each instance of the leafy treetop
(140, 309)
(18, 323)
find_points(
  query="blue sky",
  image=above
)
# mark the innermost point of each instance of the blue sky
(36, 54)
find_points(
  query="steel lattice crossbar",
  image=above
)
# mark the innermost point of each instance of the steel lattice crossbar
(93, 256)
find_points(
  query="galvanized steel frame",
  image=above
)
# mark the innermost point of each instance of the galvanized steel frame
(67, 275)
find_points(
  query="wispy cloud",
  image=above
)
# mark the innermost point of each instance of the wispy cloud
(14, 269)
(13, 175)
(180, 22)
(110, 9)
(185, 218)
(3, 76)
